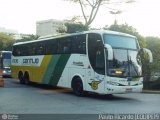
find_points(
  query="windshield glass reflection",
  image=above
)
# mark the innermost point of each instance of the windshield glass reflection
(126, 63)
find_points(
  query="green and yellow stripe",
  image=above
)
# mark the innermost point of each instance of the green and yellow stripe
(55, 69)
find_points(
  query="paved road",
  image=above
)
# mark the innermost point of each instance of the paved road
(40, 99)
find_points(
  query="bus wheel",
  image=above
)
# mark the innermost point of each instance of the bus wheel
(77, 87)
(20, 77)
(26, 78)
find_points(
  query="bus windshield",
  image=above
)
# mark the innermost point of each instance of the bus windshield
(6, 63)
(118, 41)
(126, 60)
(6, 56)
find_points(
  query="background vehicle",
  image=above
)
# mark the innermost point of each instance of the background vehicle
(5, 62)
(104, 62)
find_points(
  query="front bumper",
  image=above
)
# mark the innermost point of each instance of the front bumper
(111, 89)
(6, 73)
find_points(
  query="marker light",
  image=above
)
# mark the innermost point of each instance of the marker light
(7, 67)
(118, 72)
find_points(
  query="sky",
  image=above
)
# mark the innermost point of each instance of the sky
(21, 15)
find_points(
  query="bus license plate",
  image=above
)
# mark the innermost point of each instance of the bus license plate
(128, 89)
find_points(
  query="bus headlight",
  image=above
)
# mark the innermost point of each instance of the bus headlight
(4, 71)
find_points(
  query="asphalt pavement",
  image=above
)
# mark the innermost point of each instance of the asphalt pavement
(59, 103)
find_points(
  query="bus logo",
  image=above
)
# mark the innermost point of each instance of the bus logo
(4, 116)
(94, 84)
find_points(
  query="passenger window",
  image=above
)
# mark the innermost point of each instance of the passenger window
(32, 49)
(52, 47)
(65, 45)
(79, 44)
(40, 49)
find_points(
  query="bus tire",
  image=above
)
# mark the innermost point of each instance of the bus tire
(77, 87)
(26, 78)
(20, 77)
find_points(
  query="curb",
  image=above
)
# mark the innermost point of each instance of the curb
(151, 91)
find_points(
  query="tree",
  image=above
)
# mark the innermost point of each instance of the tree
(72, 25)
(28, 38)
(153, 44)
(94, 6)
(75, 27)
(6, 41)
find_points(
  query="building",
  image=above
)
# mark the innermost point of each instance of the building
(49, 27)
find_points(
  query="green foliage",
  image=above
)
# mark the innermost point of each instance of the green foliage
(153, 43)
(6, 42)
(125, 28)
(75, 27)
(28, 38)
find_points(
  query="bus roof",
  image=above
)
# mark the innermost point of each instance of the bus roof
(3, 51)
(101, 32)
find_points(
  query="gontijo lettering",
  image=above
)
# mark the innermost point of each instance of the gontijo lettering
(31, 61)
(14, 60)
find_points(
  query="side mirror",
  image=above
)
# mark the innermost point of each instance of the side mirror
(110, 51)
(145, 50)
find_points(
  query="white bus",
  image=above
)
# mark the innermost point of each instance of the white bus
(5, 63)
(103, 62)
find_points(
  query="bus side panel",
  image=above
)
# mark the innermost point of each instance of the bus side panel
(36, 73)
(48, 70)
(75, 66)
(14, 73)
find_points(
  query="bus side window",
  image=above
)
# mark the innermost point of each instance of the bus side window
(16, 51)
(79, 44)
(65, 45)
(32, 49)
(40, 49)
(52, 47)
(23, 51)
